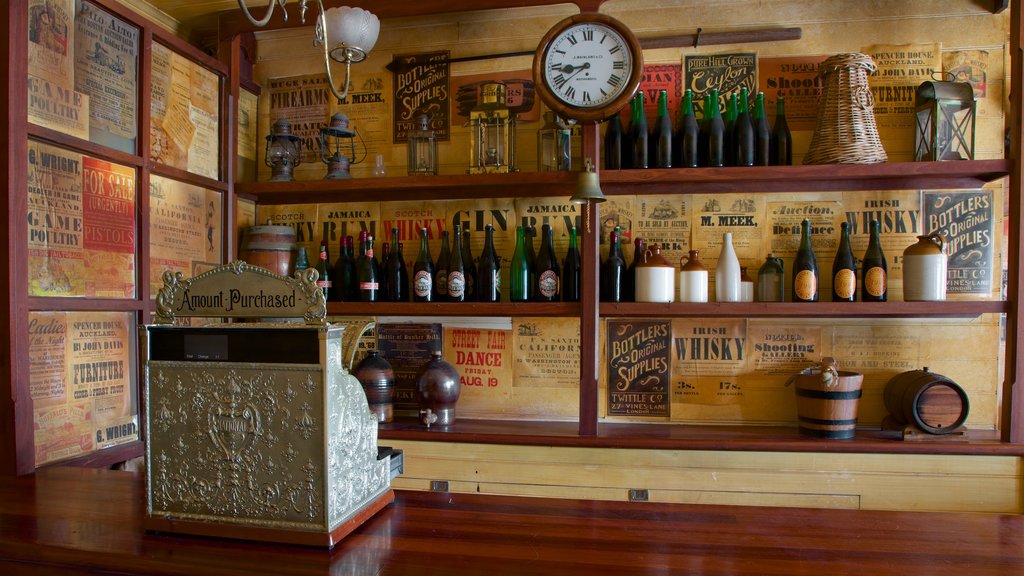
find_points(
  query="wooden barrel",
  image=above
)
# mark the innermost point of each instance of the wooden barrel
(270, 247)
(826, 406)
(930, 401)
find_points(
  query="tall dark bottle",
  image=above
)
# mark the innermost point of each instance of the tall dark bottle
(385, 251)
(367, 270)
(323, 268)
(743, 134)
(612, 270)
(470, 267)
(531, 257)
(441, 269)
(714, 142)
(457, 270)
(343, 281)
(519, 270)
(638, 133)
(687, 137)
(629, 278)
(488, 275)
(613, 144)
(782, 140)
(571, 270)
(729, 120)
(762, 133)
(546, 270)
(875, 276)
(423, 272)
(844, 269)
(396, 287)
(663, 133)
(805, 268)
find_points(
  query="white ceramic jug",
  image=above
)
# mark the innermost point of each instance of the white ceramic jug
(655, 277)
(924, 269)
(693, 279)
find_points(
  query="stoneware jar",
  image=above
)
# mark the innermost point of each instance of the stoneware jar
(378, 380)
(771, 283)
(655, 277)
(924, 269)
(693, 279)
(437, 388)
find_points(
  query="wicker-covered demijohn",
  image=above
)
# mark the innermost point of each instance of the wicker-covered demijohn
(845, 132)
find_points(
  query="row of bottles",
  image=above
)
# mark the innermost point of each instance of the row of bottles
(740, 137)
(620, 283)
(535, 276)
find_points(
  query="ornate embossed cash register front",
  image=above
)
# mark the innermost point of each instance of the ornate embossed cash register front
(256, 430)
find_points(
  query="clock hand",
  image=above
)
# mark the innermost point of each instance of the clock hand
(577, 69)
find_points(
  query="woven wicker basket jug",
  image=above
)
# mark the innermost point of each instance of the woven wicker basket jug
(845, 132)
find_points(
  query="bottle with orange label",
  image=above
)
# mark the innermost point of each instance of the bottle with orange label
(844, 269)
(805, 268)
(875, 278)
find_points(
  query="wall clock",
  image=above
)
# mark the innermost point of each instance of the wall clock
(587, 67)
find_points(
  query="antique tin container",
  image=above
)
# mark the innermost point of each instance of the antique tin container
(256, 430)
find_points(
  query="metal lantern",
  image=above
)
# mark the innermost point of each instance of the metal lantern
(423, 148)
(332, 142)
(554, 152)
(284, 151)
(945, 121)
(492, 138)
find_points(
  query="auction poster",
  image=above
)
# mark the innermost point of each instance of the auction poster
(407, 347)
(726, 73)
(639, 367)
(305, 103)
(184, 231)
(708, 357)
(81, 225)
(796, 79)
(105, 69)
(483, 358)
(81, 383)
(546, 352)
(901, 69)
(784, 221)
(965, 219)
(184, 126)
(665, 221)
(51, 40)
(422, 86)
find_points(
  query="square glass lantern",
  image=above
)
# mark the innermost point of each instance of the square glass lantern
(492, 128)
(423, 148)
(554, 150)
(944, 129)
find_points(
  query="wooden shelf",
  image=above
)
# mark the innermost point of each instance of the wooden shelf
(889, 176)
(947, 309)
(673, 436)
(453, 309)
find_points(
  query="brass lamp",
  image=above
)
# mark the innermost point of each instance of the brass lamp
(423, 148)
(332, 143)
(492, 132)
(588, 190)
(284, 151)
(554, 152)
(945, 121)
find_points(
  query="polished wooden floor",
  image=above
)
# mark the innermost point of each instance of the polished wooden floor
(83, 521)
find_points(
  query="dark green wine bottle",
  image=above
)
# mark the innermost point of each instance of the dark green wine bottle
(396, 288)
(323, 281)
(444, 258)
(367, 270)
(663, 133)
(531, 257)
(629, 277)
(875, 275)
(687, 139)
(638, 133)
(782, 140)
(715, 142)
(762, 133)
(729, 120)
(457, 270)
(743, 134)
(423, 272)
(844, 269)
(571, 270)
(613, 144)
(546, 270)
(488, 276)
(470, 267)
(805, 268)
(519, 270)
(344, 273)
(612, 270)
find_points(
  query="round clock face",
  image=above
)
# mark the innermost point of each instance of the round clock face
(587, 67)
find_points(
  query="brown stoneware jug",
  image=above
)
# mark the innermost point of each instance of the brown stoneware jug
(378, 380)
(438, 387)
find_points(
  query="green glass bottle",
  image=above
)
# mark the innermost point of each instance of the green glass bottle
(423, 272)
(729, 120)
(844, 269)
(805, 268)
(470, 267)
(441, 269)
(571, 270)
(663, 133)
(782, 140)
(613, 141)
(715, 141)
(762, 133)
(519, 270)
(687, 138)
(301, 259)
(488, 276)
(638, 133)
(531, 256)
(367, 270)
(613, 269)
(743, 134)
(875, 275)
(457, 270)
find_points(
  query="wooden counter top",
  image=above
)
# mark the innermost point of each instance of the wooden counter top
(85, 521)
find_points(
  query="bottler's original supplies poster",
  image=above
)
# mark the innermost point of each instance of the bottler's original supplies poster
(80, 381)
(639, 367)
(422, 86)
(965, 219)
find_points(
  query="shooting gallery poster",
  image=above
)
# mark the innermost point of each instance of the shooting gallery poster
(80, 382)
(184, 108)
(422, 86)
(965, 219)
(796, 79)
(639, 367)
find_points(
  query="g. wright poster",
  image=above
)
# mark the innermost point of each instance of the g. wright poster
(639, 367)
(422, 87)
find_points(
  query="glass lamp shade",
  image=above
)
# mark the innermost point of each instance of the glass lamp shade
(283, 151)
(423, 148)
(554, 152)
(352, 33)
(491, 133)
(944, 129)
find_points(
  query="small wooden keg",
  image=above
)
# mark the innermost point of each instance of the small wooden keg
(931, 402)
(269, 246)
